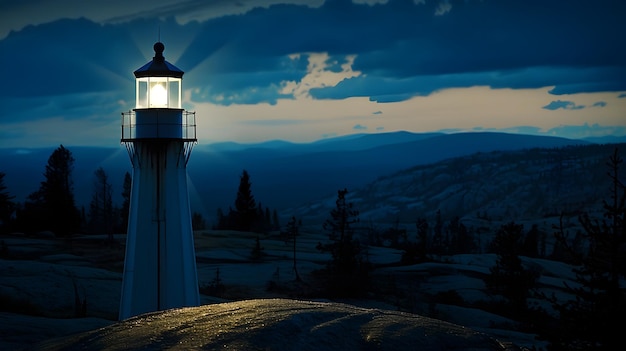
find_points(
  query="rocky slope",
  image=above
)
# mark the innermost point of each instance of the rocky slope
(530, 184)
(278, 324)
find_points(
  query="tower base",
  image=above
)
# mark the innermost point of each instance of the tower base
(160, 263)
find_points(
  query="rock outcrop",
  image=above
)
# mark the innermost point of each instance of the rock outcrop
(278, 324)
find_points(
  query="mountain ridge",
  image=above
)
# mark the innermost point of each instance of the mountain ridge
(283, 174)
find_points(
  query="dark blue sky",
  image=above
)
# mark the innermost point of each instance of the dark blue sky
(303, 70)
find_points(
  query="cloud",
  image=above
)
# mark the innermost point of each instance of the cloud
(585, 130)
(370, 2)
(19, 14)
(599, 104)
(443, 7)
(523, 130)
(377, 112)
(566, 105)
(322, 71)
(274, 122)
(262, 51)
(359, 127)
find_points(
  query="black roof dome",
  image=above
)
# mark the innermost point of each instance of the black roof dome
(158, 67)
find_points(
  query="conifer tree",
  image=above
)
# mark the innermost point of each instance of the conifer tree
(52, 206)
(220, 220)
(590, 321)
(291, 234)
(197, 221)
(438, 244)
(245, 205)
(101, 205)
(415, 252)
(275, 221)
(348, 267)
(508, 277)
(6, 204)
(461, 240)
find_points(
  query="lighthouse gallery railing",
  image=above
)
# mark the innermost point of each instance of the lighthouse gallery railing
(181, 127)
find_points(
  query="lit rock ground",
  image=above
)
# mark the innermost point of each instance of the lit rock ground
(278, 324)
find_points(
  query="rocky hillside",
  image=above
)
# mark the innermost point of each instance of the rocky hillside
(518, 185)
(278, 324)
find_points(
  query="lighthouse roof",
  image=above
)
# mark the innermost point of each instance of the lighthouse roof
(158, 67)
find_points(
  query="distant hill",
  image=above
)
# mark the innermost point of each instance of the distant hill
(513, 185)
(283, 174)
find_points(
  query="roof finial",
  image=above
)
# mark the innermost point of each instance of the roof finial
(158, 51)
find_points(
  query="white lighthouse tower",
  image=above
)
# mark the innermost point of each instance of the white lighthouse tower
(160, 263)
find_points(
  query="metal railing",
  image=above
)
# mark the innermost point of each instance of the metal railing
(159, 129)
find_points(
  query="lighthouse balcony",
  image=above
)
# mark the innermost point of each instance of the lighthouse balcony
(158, 123)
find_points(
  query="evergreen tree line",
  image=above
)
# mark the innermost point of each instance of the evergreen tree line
(451, 237)
(584, 322)
(52, 206)
(247, 215)
(588, 319)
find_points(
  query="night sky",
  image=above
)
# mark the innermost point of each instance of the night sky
(300, 71)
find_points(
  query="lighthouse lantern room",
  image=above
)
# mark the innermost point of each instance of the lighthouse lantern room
(160, 263)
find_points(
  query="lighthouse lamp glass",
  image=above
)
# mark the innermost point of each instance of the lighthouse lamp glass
(158, 92)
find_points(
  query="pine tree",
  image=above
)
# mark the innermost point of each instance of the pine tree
(422, 237)
(101, 205)
(52, 206)
(461, 240)
(348, 267)
(197, 221)
(221, 219)
(6, 204)
(508, 277)
(257, 251)
(589, 322)
(291, 234)
(415, 252)
(531, 242)
(267, 219)
(438, 244)
(245, 205)
(275, 221)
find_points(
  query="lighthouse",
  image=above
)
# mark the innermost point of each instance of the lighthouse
(160, 262)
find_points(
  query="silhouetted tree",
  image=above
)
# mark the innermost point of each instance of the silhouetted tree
(394, 236)
(291, 234)
(257, 250)
(589, 322)
(124, 211)
(508, 277)
(348, 268)
(221, 219)
(197, 221)
(438, 244)
(262, 221)
(530, 247)
(6, 204)
(247, 215)
(101, 205)
(52, 206)
(461, 240)
(245, 205)
(415, 252)
(275, 221)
